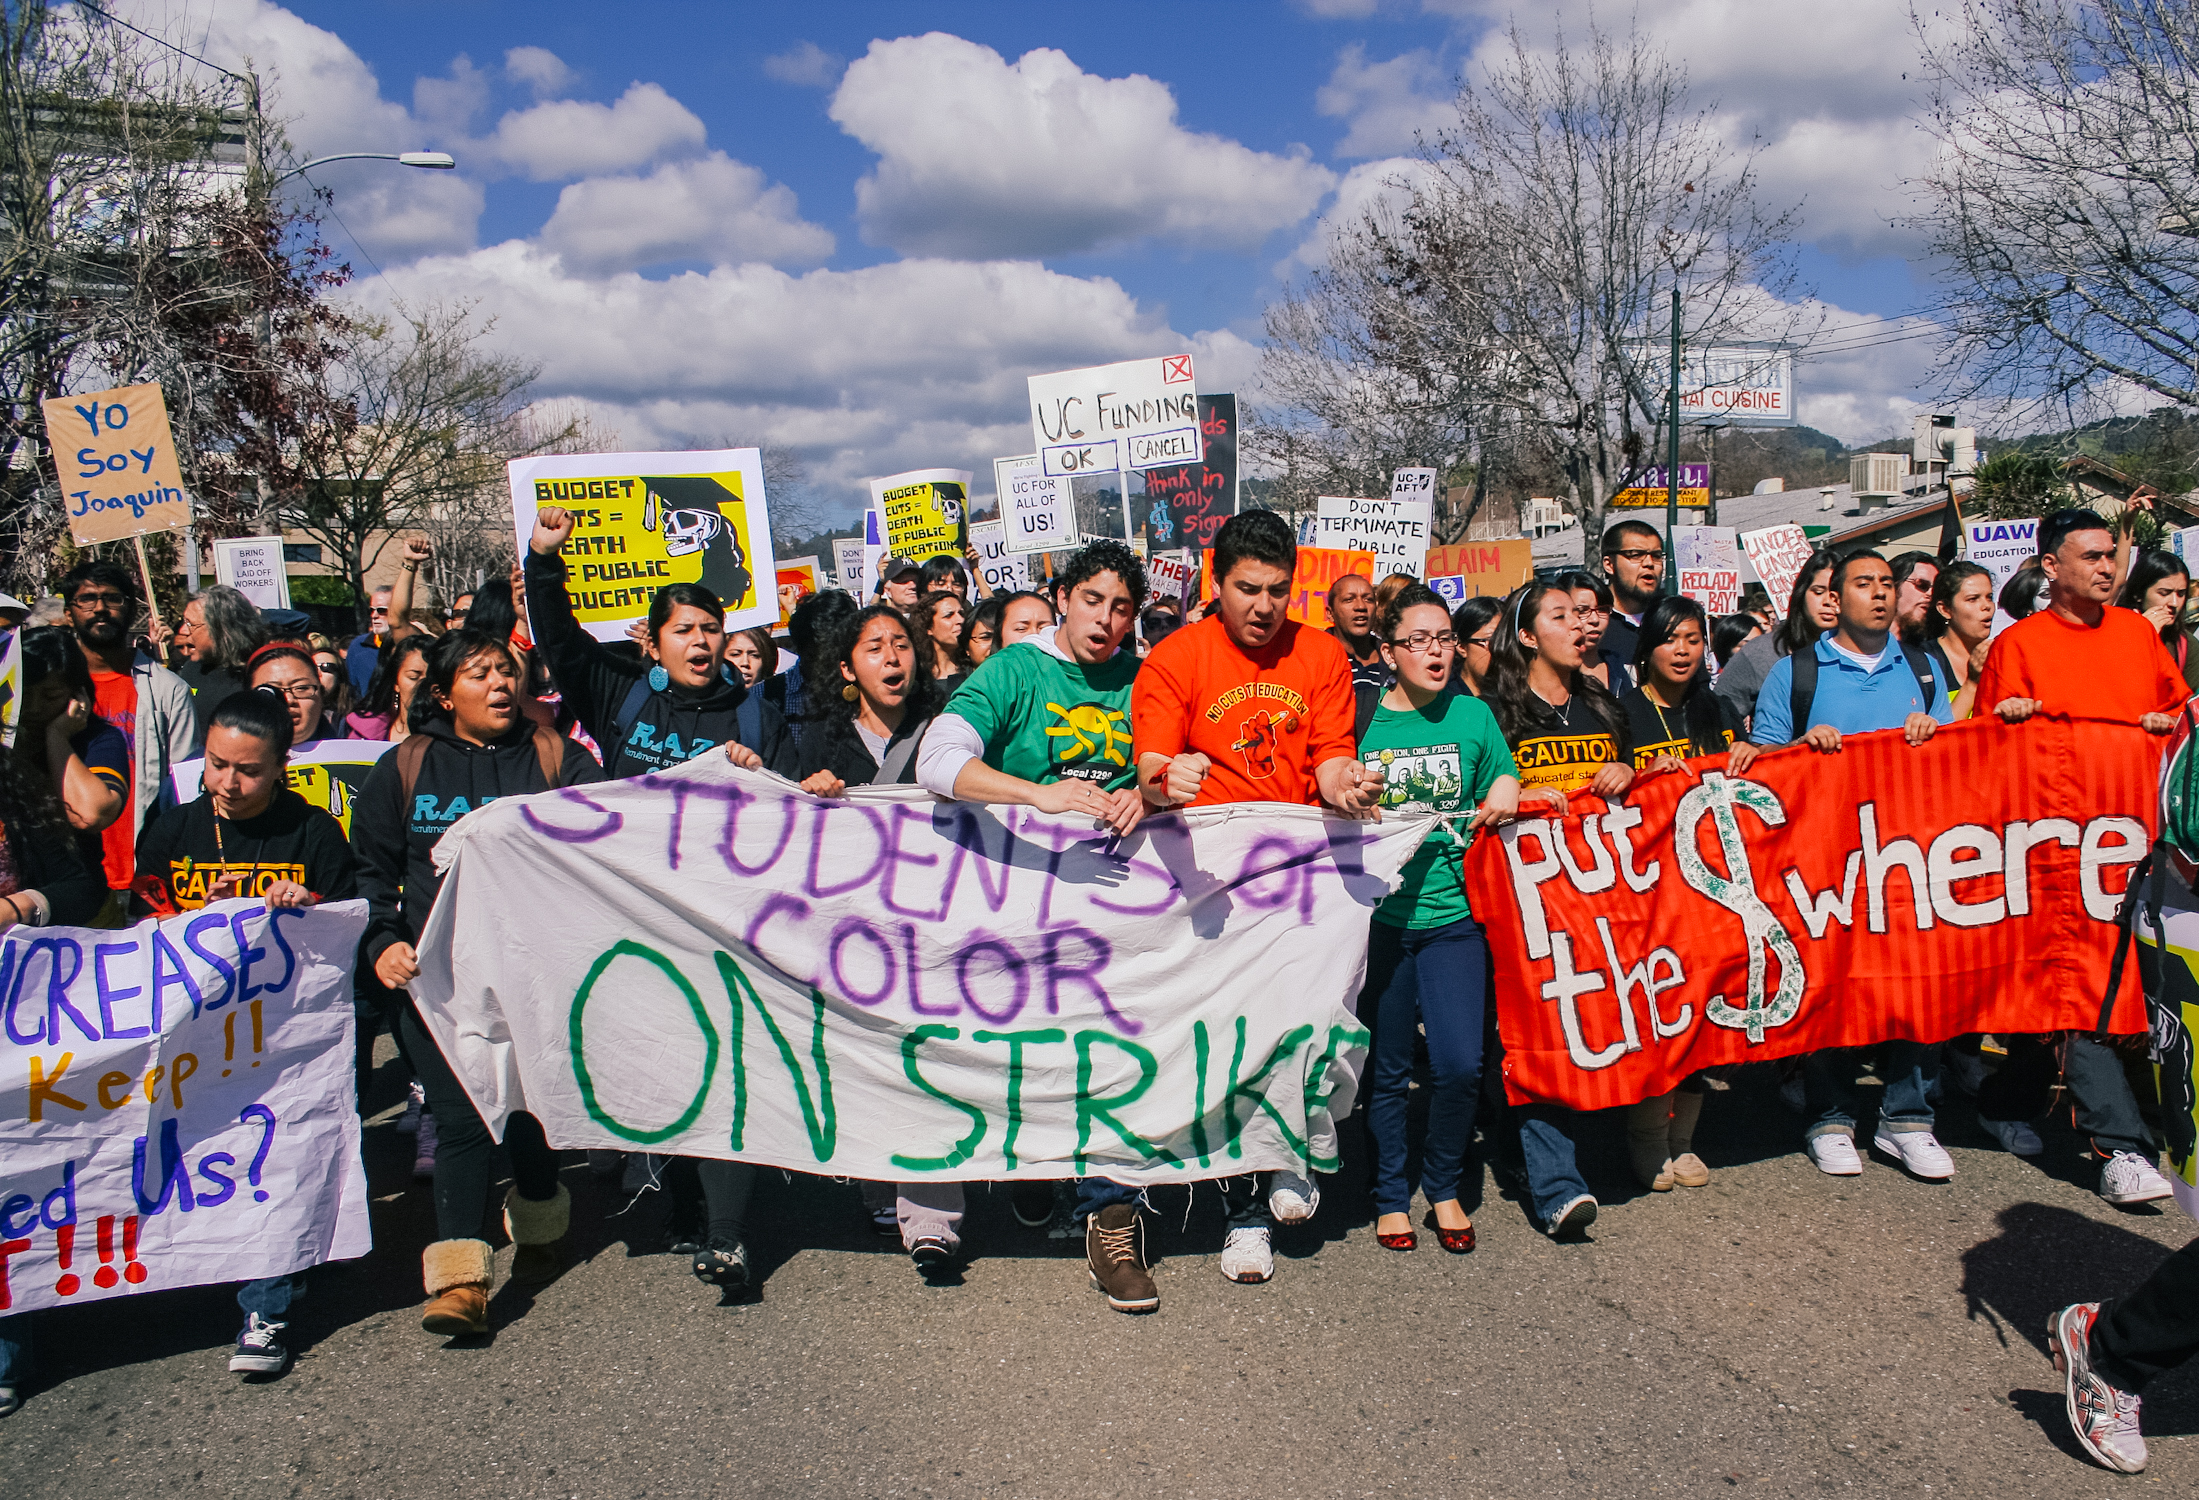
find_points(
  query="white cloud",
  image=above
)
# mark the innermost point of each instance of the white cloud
(541, 70)
(980, 157)
(1868, 377)
(1387, 183)
(444, 108)
(716, 210)
(806, 65)
(1391, 105)
(866, 372)
(578, 138)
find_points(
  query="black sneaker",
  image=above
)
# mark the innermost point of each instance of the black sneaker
(260, 1348)
(683, 1230)
(932, 1256)
(723, 1262)
(1033, 1203)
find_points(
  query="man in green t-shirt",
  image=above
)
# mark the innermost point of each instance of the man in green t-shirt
(1045, 723)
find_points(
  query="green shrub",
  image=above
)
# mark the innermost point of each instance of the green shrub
(324, 589)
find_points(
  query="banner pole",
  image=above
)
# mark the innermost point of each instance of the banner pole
(145, 571)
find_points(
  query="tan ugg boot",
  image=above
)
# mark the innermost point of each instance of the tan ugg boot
(1687, 1168)
(538, 1233)
(458, 1275)
(1646, 1125)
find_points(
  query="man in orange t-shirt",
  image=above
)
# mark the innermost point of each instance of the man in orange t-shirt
(2083, 657)
(1250, 706)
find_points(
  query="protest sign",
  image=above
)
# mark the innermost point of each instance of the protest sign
(1452, 588)
(1651, 489)
(116, 460)
(885, 987)
(847, 564)
(253, 566)
(1968, 884)
(1708, 559)
(1318, 570)
(11, 684)
(1200, 497)
(926, 512)
(2001, 547)
(1038, 512)
(327, 773)
(644, 520)
(176, 1103)
(2182, 542)
(1777, 553)
(1004, 572)
(1395, 531)
(799, 577)
(2168, 961)
(1494, 568)
(1140, 414)
(1169, 575)
(874, 554)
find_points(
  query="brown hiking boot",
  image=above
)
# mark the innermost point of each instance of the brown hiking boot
(1114, 1252)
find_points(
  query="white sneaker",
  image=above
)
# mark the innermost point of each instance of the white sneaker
(1835, 1155)
(1292, 1199)
(2016, 1136)
(1919, 1151)
(1247, 1256)
(2130, 1178)
(416, 1100)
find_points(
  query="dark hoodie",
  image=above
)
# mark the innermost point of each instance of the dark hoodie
(395, 843)
(672, 726)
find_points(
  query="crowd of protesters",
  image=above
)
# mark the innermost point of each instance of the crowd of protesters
(1581, 684)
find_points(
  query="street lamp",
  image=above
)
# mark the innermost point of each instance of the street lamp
(433, 161)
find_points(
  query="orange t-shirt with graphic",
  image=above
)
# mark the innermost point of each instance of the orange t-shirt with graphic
(1265, 719)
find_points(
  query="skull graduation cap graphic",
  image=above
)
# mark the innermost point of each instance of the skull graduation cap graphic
(689, 511)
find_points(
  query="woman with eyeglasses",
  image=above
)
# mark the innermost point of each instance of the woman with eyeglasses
(1474, 623)
(288, 669)
(1812, 609)
(1427, 964)
(1592, 604)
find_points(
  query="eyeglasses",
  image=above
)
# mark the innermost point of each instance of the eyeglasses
(298, 690)
(1482, 641)
(1421, 640)
(109, 600)
(1641, 554)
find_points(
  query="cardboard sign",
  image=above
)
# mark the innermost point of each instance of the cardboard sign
(645, 520)
(253, 566)
(847, 564)
(1708, 559)
(1191, 501)
(1169, 574)
(1140, 414)
(799, 577)
(1777, 553)
(926, 512)
(1494, 568)
(116, 460)
(1395, 530)
(1037, 512)
(1004, 572)
(1318, 570)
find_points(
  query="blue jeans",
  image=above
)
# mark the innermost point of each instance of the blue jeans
(15, 1349)
(1830, 1100)
(1546, 1142)
(1436, 976)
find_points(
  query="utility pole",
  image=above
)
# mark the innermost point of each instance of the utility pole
(1672, 451)
(259, 197)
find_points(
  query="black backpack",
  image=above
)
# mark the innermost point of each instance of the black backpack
(1803, 691)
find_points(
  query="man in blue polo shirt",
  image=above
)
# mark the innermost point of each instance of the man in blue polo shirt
(1856, 679)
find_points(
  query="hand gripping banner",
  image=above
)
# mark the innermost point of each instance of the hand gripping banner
(176, 1102)
(1969, 884)
(711, 962)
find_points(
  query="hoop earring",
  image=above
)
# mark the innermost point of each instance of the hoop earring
(848, 693)
(659, 679)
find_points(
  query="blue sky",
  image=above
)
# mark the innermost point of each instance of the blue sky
(852, 229)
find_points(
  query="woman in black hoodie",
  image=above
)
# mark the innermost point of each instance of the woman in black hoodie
(653, 717)
(469, 746)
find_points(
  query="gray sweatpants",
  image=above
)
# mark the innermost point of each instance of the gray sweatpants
(927, 1210)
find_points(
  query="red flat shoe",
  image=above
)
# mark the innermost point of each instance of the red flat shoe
(1409, 1240)
(1457, 1241)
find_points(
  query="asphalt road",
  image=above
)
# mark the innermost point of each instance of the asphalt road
(1776, 1333)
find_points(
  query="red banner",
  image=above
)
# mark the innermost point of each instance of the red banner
(1966, 884)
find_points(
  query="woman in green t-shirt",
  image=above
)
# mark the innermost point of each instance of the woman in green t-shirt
(1438, 752)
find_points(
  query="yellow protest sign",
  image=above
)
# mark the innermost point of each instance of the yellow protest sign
(927, 512)
(117, 463)
(642, 521)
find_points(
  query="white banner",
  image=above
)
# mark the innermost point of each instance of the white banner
(1140, 414)
(1038, 510)
(891, 988)
(1394, 530)
(176, 1103)
(1005, 572)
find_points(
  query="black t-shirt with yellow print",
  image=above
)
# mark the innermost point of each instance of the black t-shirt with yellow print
(1697, 726)
(1566, 747)
(186, 850)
